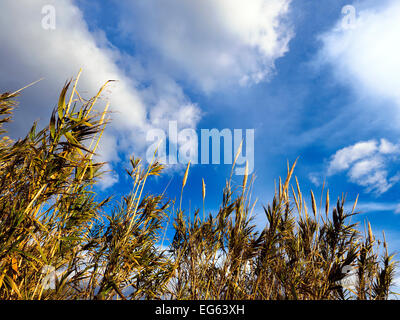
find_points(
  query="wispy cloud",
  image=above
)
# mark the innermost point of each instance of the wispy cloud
(212, 43)
(367, 164)
(368, 207)
(345, 157)
(367, 56)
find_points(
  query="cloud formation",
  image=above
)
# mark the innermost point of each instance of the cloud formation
(367, 164)
(30, 51)
(376, 207)
(212, 43)
(209, 43)
(367, 55)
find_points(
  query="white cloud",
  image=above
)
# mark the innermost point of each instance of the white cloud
(346, 156)
(363, 167)
(30, 52)
(388, 148)
(367, 164)
(315, 179)
(214, 43)
(367, 56)
(165, 93)
(364, 207)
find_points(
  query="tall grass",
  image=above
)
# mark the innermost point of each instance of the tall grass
(58, 241)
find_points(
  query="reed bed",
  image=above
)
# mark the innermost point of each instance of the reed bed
(59, 241)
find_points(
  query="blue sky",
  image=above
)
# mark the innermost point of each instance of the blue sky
(308, 85)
